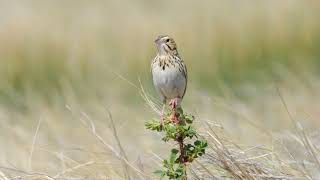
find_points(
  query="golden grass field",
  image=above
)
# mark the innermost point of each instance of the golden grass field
(67, 66)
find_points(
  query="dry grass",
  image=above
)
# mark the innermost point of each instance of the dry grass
(76, 142)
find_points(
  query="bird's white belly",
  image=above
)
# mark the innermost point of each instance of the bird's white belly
(169, 83)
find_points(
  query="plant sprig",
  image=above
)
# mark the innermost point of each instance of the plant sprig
(175, 166)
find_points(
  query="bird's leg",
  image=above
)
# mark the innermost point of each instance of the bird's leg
(173, 104)
(162, 114)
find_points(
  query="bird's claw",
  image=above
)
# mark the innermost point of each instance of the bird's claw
(173, 103)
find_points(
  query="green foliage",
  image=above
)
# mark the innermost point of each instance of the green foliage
(154, 125)
(175, 166)
(196, 150)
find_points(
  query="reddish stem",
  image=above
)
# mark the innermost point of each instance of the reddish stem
(182, 158)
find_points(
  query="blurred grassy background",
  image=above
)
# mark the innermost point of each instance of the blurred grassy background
(55, 53)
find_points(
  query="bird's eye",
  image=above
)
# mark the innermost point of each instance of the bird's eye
(168, 40)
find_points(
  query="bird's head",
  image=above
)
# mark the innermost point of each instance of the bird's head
(166, 45)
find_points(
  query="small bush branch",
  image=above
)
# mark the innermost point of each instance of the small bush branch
(177, 126)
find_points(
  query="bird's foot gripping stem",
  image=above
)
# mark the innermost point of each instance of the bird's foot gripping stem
(175, 115)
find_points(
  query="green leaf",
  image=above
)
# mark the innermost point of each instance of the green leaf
(205, 144)
(159, 172)
(174, 151)
(189, 118)
(180, 111)
(166, 138)
(189, 132)
(165, 163)
(154, 125)
(173, 156)
(197, 143)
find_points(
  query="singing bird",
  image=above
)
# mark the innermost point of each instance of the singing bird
(169, 73)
